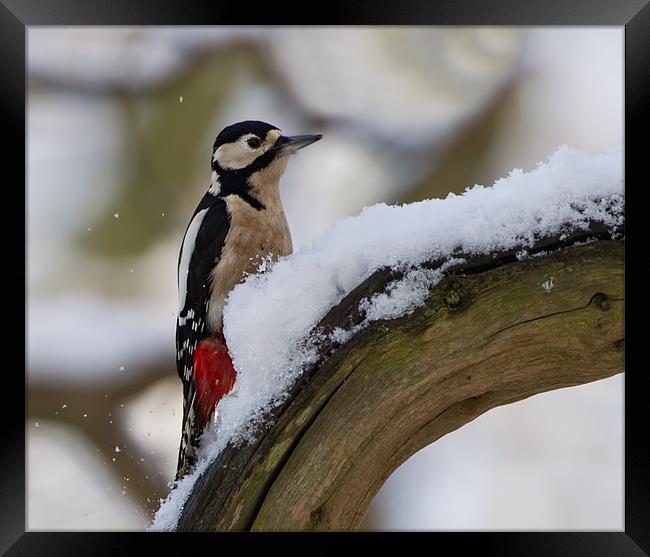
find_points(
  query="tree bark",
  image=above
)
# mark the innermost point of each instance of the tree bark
(494, 331)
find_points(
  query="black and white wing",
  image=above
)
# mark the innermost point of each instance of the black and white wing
(200, 251)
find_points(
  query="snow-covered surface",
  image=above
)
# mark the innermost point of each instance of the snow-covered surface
(94, 339)
(565, 192)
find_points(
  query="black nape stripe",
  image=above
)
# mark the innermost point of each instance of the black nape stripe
(252, 201)
(236, 181)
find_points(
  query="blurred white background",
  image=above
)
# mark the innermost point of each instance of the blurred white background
(120, 128)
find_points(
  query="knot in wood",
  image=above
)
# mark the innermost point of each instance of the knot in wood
(601, 301)
(453, 295)
(316, 516)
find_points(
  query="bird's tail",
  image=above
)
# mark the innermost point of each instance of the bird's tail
(213, 378)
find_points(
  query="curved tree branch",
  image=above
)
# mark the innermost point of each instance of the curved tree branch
(495, 330)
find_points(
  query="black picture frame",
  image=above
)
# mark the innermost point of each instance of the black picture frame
(17, 15)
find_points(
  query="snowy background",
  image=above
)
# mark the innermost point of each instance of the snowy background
(121, 123)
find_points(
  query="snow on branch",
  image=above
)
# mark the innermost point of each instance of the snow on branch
(315, 308)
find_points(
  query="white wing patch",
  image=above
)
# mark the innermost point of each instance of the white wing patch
(186, 256)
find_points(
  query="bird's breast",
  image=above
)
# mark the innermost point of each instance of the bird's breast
(254, 235)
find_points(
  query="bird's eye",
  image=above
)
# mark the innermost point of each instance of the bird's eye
(254, 142)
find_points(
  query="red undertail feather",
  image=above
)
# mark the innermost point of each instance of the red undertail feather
(214, 375)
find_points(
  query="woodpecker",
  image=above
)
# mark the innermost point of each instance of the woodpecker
(239, 220)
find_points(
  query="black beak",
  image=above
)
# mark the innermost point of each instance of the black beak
(286, 144)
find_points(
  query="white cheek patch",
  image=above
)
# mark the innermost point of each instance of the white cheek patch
(238, 155)
(186, 256)
(235, 156)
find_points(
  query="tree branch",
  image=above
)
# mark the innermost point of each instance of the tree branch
(495, 330)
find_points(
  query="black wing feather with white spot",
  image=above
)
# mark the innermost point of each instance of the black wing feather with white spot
(203, 240)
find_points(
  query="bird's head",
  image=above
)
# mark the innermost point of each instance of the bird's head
(251, 151)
